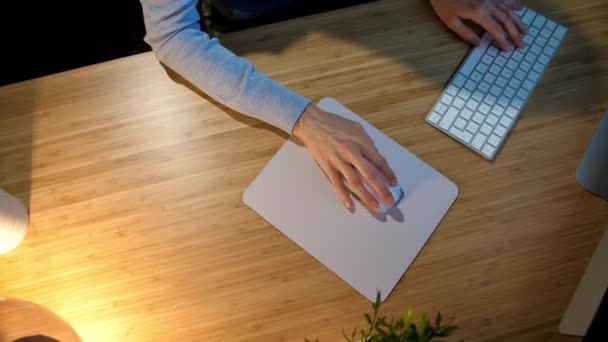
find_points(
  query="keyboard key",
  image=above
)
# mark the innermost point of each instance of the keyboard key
(544, 33)
(479, 118)
(517, 103)
(514, 83)
(522, 94)
(501, 82)
(492, 51)
(528, 17)
(470, 85)
(543, 59)
(498, 110)
(506, 121)
(472, 127)
(448, 118)
(458, 103)
(447, 99)
(525, 66)
(538, 67)
(528, 39)
(459, 80)
(528, 85)
(452, 90)
(511, 112)
(462, 135)
(478, 141)
(486, 129)
(490, 99)
(478, 96)
(494, 140)
(509, 92)
(434, 117)
(487, 59)
(473, 58)
(482, 68)
(536, 49)
(464, 93)
(500, 61)
(503, 101)
(530, 57)
(484, 87)
(495, 90)
(484, 108)
(476, 76)
(507, 73)
(533, 31)
(440, 108)
(549, 51)
(517, 56)
(534, 76)
(466, 113)
(492, 119)
(520, 75)
(460, 123)
(489, 78)
(539, 21)
(488, 150)
(550, 24)
(512, 65)
(541, 41)
(559, 32)
(500, 131)
(553, 43)
(495, 69)
(472, 104)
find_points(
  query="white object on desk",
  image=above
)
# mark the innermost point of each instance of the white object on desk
(369, 251)
(13, 222)
(486, 96)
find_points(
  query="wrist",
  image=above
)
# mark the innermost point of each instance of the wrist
(302, 125)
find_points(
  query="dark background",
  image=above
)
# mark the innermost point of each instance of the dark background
(44, 37)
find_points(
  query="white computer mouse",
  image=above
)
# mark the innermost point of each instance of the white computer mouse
(383, 208)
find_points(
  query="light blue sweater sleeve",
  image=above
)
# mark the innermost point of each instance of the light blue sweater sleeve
(173, 31)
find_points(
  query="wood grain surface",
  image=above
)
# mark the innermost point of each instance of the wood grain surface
(134, 184)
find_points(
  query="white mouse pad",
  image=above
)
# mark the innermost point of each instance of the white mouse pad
(371, 252)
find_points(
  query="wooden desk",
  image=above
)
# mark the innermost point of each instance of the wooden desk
(134, 184)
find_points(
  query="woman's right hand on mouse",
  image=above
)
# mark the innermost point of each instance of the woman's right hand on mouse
(341, 146)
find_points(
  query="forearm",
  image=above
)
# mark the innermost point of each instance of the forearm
(174, 34)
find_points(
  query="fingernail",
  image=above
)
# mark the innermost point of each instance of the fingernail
(390, 200)
(393, 182)
(347, 205)
(375, 204)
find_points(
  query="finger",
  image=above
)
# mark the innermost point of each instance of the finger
(372, 154)
(490, 25)
(515, 5)
(336, 180)
(507, 23)
(521, 27)
(355, 183)
(463, 31)
(373, 178)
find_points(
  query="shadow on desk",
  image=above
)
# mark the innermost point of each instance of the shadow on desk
(420, 42)
(17, 108)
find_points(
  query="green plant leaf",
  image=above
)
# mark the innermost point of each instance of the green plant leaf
(438, 320)
(378, 302)
(368, 318)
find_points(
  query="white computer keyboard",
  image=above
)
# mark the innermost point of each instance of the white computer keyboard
(484, 98)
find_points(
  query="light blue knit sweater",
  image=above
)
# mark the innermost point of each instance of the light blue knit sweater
(173, 31)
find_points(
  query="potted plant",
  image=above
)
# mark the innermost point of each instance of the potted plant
(381, 329)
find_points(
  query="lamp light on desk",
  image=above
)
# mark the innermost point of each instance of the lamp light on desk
(13, 222)
(22, 321)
